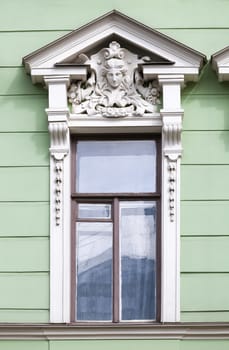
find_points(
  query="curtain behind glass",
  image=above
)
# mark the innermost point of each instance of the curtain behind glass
(94, 271)
(138, 256)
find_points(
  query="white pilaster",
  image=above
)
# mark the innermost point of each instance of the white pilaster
(59, 199)
(57, 90)
(171, 114)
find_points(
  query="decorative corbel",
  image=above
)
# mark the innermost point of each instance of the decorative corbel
(172, 151)
(58, 150)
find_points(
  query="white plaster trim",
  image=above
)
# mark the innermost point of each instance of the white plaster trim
(171, 152)
(169, 123)
(59, 199)
(183, 331)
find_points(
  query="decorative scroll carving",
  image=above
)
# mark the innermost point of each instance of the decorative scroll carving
(172, 139)
(115, 87)
(172, 128)
(58, 134)
(172, 185)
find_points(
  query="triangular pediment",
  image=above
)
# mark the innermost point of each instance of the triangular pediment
(220, 63)
(132, 47)
(114, 26)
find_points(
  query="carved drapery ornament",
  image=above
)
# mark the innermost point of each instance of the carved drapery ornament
(115, 86)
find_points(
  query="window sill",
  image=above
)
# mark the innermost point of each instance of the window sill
(115, 331)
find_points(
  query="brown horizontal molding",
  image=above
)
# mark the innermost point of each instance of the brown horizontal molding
(115, 331)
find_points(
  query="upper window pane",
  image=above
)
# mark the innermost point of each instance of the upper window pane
(116, 166)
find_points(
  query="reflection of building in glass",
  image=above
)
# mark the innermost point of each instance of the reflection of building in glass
(95, 290)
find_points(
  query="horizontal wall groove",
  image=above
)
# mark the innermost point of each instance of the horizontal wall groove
(205, 311)
(21, 309)
(25, 237)
(26, 273)
(63, 30)
(25, 132)
(203, 236)
(203, 130)
(205, 164)
(39, 31)
(194, 272)
(204, 200)
(25, 94)
(19, 273)
(217, 94)
(26, 201)
(23, 166)
(204, 272)
(11, 66)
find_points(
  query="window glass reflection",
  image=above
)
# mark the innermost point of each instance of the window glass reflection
(94, 271)
(138, 260)
(116, 166)
(95, 211)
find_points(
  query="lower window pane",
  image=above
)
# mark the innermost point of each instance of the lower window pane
(138, 260)
(94, 271)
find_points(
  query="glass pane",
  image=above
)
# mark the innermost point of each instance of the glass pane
(116, 166)
(95, 211)
(138, 260)
(94, 271)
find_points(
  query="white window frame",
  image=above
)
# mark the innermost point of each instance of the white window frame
(62, 123)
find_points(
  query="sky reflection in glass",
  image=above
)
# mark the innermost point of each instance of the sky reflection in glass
(94, 271)
(138, 260)
(116, 166)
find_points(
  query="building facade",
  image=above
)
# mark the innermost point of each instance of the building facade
(42, 116)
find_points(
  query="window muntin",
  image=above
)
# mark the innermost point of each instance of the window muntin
(125, 283)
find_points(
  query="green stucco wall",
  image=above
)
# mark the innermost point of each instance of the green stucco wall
(27, 25)
(115, 344)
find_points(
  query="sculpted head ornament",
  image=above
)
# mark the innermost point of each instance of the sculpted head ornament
(114, 71)
(115, 87)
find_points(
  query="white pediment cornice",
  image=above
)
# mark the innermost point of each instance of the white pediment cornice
(183, 59)
(220, 63)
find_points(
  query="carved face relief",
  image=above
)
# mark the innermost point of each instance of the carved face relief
(114, 72)
(114, 77)
(115, 87)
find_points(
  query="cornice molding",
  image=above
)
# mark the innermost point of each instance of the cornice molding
(182, 331)
(59, 55)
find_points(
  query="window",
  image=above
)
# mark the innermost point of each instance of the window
(116, 238)
(74, 68)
